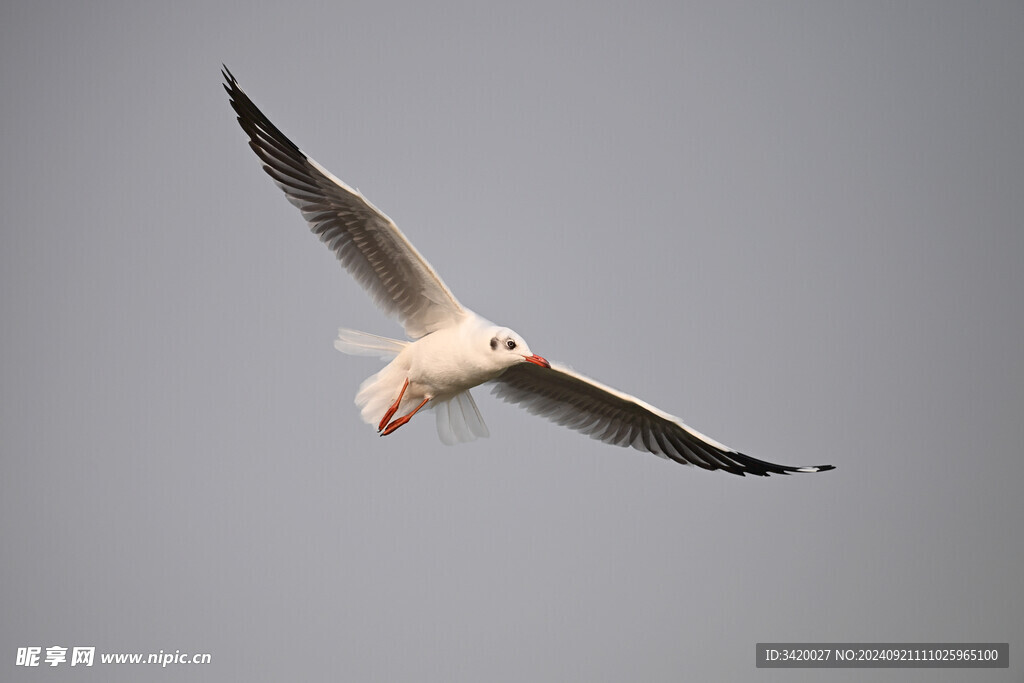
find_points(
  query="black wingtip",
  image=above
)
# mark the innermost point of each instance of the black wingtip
(253, 121)
(230, 85)
(761, 468)
(810, 469)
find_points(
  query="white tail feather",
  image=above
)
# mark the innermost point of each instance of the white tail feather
(442, 411)
(356, 343)
(471, 414)
(459, 420)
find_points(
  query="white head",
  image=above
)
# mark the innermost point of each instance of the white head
(507, 348)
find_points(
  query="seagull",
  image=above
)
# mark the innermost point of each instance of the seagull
(451, 349)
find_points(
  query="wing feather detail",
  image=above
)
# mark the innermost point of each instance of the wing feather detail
(367, 243)
(577, 402)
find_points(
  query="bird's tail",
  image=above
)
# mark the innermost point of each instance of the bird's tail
(357, 343)
(377, 393)
(458, 418)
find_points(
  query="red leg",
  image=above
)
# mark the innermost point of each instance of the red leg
(402, 420)
(394, 407)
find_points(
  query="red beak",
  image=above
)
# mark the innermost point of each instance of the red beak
(537, 360)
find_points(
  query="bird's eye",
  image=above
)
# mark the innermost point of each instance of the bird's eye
(510, 344)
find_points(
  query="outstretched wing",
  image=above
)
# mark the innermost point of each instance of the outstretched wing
(580, 403)
(368, 243)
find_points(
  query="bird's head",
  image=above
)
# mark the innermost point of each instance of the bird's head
(507, 348)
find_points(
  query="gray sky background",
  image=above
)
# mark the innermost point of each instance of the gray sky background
(799, 226)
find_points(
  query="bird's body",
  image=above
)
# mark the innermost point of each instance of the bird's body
(447, 362)
(439, 367)
(451, 349)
